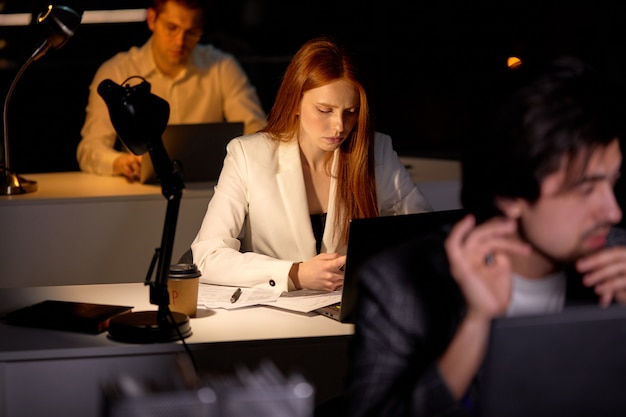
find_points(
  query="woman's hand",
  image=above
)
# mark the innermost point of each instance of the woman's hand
(322, 272)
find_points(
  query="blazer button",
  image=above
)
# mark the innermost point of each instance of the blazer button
(272, 283)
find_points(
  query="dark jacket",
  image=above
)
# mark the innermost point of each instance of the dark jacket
(408, 310)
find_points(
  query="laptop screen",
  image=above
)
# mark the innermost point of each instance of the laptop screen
(565, 364)
(200, 149)
(368, 236)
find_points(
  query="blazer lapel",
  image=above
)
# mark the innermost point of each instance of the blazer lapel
(293, 195)
(330, 241)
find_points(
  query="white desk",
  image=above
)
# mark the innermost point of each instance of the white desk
(438, 179)
(80, 228)
(48, 372)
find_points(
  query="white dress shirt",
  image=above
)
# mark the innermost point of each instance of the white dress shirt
(212, 88)
(258, 223)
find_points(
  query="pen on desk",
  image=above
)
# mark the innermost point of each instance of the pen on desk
(235, 295)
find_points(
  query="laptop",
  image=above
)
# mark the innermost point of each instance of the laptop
(367, 237)
(200, 149)
(564, 364)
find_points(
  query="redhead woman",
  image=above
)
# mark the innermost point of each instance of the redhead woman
(280, 213)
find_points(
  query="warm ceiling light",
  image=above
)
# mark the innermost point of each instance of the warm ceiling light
(513, 62)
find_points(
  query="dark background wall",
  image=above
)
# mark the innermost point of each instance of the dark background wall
(428, 64)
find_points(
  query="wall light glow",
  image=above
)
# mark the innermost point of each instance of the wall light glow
(513, 62)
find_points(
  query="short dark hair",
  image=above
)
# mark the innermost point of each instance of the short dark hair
(203, 5)
(562, 109)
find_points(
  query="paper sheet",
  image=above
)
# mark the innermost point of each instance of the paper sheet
(218, 296)
(304, 301)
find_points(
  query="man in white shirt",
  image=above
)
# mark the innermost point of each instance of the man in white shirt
(200, 83)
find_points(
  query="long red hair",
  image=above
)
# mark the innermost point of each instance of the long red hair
(319, 62)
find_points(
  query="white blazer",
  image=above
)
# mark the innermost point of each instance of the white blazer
(258, 224)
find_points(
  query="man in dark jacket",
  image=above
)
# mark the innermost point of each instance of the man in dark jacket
(538, 186)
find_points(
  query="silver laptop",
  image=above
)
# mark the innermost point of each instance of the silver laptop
(367, 237)
(199, 148)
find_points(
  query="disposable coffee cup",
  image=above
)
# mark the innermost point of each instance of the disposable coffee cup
(182, 286)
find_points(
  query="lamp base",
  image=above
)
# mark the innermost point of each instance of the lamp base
(11, 183)
(144, 327)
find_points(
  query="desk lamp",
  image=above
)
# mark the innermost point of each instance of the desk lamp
(58, 24)
(139, 118)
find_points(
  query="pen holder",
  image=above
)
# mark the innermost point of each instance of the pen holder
(182, 286)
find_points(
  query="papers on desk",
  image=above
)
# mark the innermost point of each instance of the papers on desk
(304, 301)
(218, 296)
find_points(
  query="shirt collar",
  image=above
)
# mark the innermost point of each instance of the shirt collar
(148, 67)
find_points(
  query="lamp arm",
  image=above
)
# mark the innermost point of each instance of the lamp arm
(158, 289)
(5, 118)
(172, 186)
